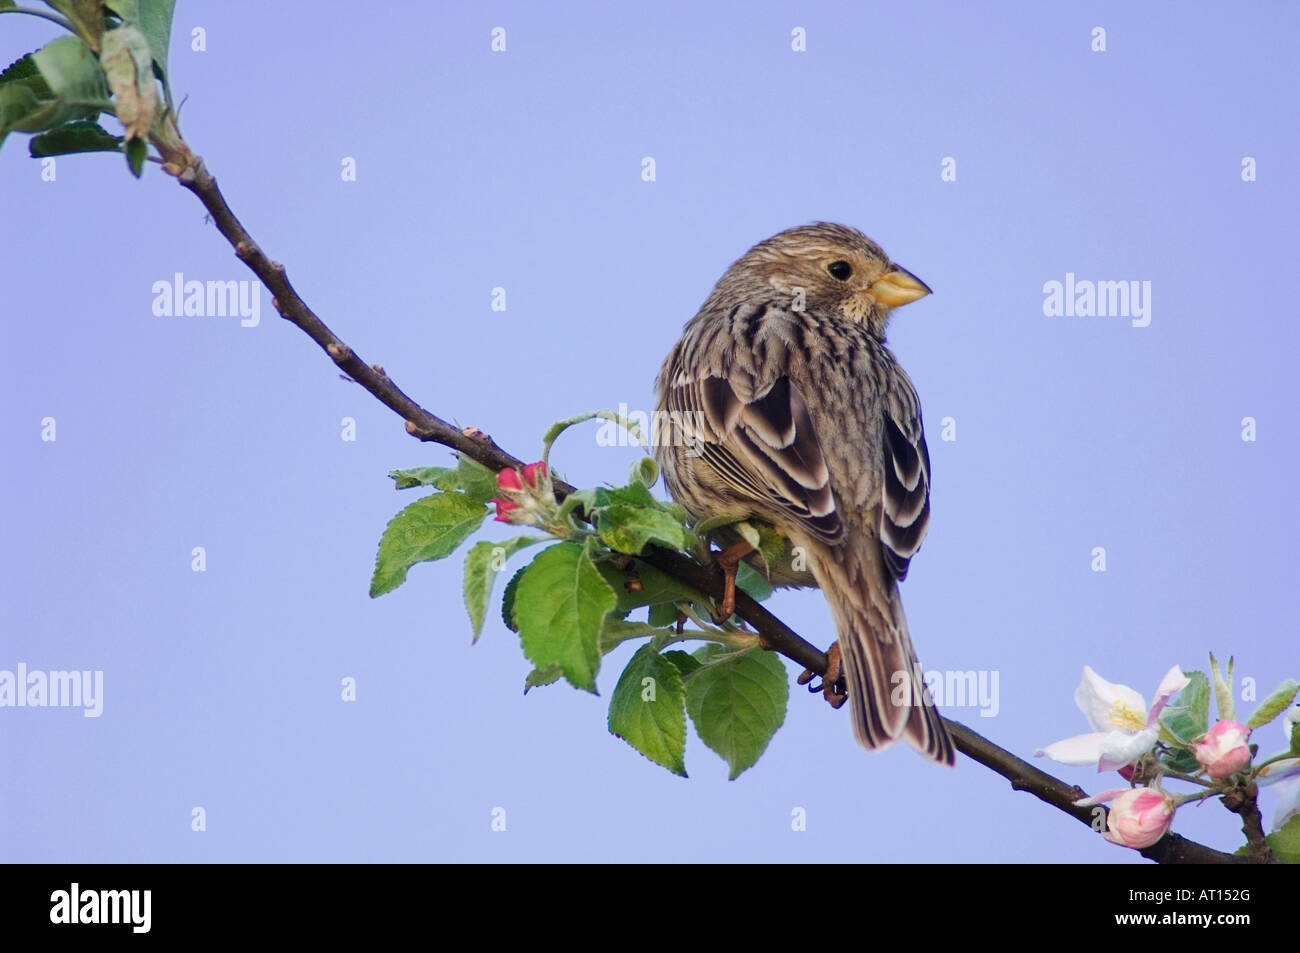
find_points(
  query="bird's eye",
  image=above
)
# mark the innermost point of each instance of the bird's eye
(840, 270)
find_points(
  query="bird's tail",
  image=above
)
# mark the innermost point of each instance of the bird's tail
(887, 694)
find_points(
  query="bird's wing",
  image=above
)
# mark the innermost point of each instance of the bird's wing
(905, 515)
(759, 440)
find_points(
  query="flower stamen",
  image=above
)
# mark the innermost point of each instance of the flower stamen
(1126, 717)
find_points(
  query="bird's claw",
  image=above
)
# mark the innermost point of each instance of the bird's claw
(729, 559)
(832, 686)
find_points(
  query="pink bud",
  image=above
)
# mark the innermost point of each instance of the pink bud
(504, 509)
(1223, 750)
(1126, 772)
(533, 472)
(508, 480)
(1139, 817)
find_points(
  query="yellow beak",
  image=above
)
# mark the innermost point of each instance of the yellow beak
(897, 287)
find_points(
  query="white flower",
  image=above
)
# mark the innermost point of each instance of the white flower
(1123, 729)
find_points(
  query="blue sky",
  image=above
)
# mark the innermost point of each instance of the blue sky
(522, 170)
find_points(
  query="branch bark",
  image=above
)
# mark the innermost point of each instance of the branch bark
(780, 637)
(1244, 802)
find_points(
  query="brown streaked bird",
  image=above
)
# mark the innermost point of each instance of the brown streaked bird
(782, 404)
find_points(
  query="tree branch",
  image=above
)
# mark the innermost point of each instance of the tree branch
(1170, 849)
(1244, 801)
(708, 579)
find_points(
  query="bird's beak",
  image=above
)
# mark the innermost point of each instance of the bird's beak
(897, 287)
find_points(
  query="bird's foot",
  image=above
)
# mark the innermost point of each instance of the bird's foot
(832, 686)
(729, 559)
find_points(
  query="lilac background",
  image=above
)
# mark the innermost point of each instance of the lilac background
(522, 170)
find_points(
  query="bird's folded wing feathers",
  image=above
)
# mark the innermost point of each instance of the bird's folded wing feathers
(905, 515)
(761, 442)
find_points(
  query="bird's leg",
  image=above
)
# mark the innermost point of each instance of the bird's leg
(729, 559)
(832, 684)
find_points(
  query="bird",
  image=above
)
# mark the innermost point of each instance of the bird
(782, 404)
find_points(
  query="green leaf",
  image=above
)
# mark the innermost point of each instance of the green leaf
(592, 499)
(74, 137)
(771, 546)
(562, 425)
(615, 631)
(584, 500)
(751, 581)
(543, 676)
(476, 480)
(127, 10)
(469, 476)
(430, 528)
(22, 69)
(1285, 841)
(1274, 704)
(662, 614)
(1181, 760)
(647, 709)
(635, 494)
(561, 602)
(628, 528)
(484, 561)
(654, 586)
(706, 527)
(508, 601)
(444, 478)
(45, 89)
(1187, 718)
(644, 472)
(156, 25)
(86, 17)
(71, 70)
(1222, 693)
(136, 152)
(21, 109)
(685, 662)
(737, 701)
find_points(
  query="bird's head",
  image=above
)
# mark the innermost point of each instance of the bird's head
(832, 270)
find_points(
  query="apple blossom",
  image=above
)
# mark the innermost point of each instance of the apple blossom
(1223, 750)
(505, 509)
(1138, 817)
(534, 473)
(1123, 728)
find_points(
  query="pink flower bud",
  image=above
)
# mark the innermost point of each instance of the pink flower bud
(508, 480)
(1139, 817)
(1223, 750)
(535, 472)
(1126, 772)
(504, 509)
